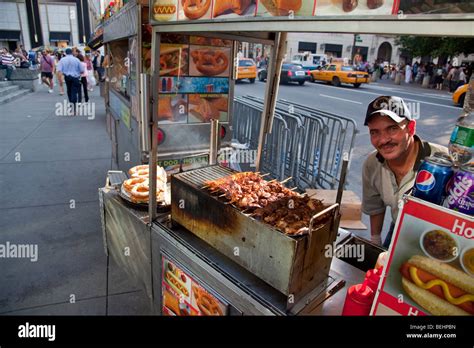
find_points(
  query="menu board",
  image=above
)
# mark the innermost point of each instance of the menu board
(194, 79)
(183, 296)
(430, 270)
(191, 10)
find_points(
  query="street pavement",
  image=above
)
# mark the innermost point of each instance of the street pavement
(436, 110)
(50, 169)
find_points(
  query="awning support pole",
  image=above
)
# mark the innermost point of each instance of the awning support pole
(271, 92)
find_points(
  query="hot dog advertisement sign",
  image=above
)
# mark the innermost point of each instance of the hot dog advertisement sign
(162, 11)
(183, 296)
(430, 269)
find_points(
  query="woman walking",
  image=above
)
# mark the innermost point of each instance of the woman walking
(83, 80)
(59, 75)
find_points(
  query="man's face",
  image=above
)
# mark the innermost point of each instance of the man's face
(391, 139)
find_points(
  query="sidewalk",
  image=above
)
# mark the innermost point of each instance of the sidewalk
(411, 87)
(50, 169)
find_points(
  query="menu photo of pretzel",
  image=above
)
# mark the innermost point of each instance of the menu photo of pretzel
(207, 303)
(174, 60)
(355, 7)
(285, 8)
(233, 8)
(209, 41)
(209, 61)
(194, 9)
(206, 107)
(172, 108)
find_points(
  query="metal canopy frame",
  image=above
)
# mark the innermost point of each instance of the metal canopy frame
(268, 31)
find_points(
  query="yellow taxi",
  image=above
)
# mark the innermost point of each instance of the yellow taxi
(247, 69)
(340, 73)
(460, 94)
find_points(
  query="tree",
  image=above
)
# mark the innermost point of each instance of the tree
(420, 46)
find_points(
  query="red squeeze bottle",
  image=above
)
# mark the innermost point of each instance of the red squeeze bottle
(359, 299)
(373, 278)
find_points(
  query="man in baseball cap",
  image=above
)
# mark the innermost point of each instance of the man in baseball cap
(389, 172)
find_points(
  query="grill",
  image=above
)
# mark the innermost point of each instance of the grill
(292, 265)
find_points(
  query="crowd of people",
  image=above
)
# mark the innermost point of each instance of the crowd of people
(441, 76)
(79, 72)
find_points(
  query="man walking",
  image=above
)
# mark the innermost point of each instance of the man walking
(71, 68)
(7, 62)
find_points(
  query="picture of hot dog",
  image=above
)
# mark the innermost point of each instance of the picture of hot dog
(438, 287)
(173, 60)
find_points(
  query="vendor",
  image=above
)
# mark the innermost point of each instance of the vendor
(389, 172)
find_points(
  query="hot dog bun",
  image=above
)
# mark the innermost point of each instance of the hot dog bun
(430, 301)
(437, 287)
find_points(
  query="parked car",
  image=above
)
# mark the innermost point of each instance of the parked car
(247, 69)
(460, 94)
(289, 73)
(340, 73)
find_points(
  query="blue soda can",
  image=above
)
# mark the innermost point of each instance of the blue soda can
(432, 179)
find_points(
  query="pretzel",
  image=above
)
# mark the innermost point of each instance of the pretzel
(194, 9)
(129, 184)
(142, 173)
(210, 62)
(206, 303)
(135, 169)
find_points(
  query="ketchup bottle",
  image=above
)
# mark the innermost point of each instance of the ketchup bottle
(359, 300)
(373, 278)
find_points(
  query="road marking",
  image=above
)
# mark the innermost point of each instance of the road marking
(378, 94)
(438, 95)
(347, 100)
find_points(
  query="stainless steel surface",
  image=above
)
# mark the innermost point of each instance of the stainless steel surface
(122, 24)
(116, 177)
(145, 114)
(128, 239)
(214, 142)
(294, 266)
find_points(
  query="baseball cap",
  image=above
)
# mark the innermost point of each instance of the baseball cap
(393, 107)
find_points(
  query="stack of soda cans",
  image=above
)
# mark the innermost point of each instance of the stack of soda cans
(439, 182)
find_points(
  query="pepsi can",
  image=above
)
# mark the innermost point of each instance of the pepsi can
(461, 191)
(432, 179)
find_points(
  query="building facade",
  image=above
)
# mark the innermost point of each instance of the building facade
(35, 23)
(371, 47)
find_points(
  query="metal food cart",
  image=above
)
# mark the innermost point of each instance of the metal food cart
(207, 257)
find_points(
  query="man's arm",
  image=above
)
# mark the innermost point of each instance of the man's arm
(376, 224)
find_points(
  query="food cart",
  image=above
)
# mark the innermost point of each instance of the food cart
(205, 257)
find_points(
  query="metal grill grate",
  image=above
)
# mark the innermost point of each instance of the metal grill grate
(199, 176)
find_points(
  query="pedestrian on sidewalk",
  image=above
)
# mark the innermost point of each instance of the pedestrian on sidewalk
(59, 75)
(83, 79)
(408, 73)
(439, 78)
(47, 69)
(72, 69)
(462, 77)
(7, 63)
(90, 73)
(453, 78)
